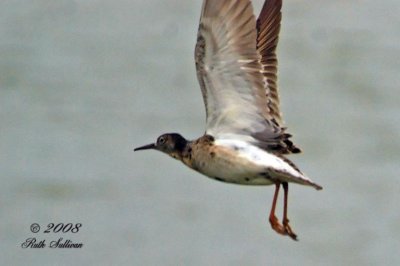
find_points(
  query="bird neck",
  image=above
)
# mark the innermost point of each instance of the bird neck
(181, 149)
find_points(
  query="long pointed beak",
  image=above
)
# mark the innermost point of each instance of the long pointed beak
(145, 147)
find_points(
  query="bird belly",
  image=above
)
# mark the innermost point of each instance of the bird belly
(229, 165)
(235, 170)
(239, 162)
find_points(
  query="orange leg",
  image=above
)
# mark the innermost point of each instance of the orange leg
(285, 220)
(272, 218)
(278, 227)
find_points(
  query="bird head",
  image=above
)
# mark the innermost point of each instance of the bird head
(172, 144)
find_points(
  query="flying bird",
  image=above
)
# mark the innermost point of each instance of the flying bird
(245, 141)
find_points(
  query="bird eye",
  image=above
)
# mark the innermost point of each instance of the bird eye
(161, 140)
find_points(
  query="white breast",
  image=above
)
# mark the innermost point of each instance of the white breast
(237, 161)
(256, 155)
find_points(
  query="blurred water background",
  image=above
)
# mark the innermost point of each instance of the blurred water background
(84, 82)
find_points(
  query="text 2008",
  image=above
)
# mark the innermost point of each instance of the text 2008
(61, 227)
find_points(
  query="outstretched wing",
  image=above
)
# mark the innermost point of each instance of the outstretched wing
(234, 79)
(268, 27)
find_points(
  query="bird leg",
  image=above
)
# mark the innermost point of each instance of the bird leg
(285, 220)
(283, 229)
(272, 218)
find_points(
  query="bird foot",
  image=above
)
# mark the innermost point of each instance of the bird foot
(283, 229)
(289, 230)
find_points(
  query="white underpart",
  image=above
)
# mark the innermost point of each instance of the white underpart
(259, 159)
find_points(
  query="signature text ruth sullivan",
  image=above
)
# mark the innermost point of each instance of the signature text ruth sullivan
(32, 242)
